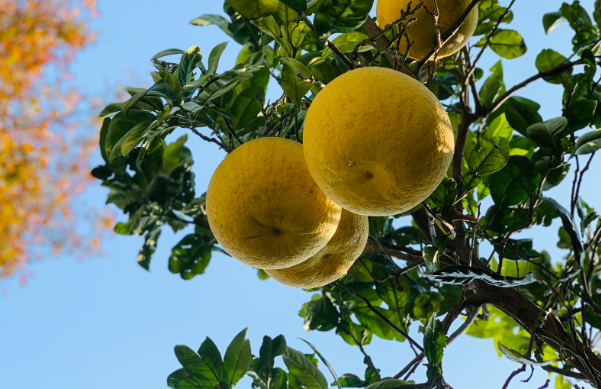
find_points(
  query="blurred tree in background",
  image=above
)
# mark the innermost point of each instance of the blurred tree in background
(42, 155)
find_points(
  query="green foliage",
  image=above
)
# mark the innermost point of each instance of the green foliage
(462, 240)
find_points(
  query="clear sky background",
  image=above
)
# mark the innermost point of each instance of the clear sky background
(105, 323)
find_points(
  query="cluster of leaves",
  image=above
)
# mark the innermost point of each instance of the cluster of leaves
(42, 165)
(208, 369)
(507, 156)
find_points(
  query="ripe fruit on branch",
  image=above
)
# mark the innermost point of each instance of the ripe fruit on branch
(377, 142)
(331, 262)
(423, 32)
(265, 209)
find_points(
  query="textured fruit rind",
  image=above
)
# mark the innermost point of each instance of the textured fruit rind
(265, 209)
(423, 31)
(254, 9)
(333, 261)
(377, 141)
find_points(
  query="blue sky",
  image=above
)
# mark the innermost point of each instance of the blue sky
(104, 323)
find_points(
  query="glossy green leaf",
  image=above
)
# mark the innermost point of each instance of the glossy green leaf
(293, 85)
(487, 158)
(254, 9)
(515, 356)
(187, 65)
(548, 60)
(300, 5)
(493, 86)
(521, 115)
(304, 370)
(218, 20)
(549, 133)
(237, 358)
(324, 360)
(182, 379)
(570, 227)
(435, 341)
(341, 15)
(589, 143)
(194, 364)
(580, 114)
(211, 356)
(515, 183)
(215, 56)
(148, 248)
(167, 52)
(508, 44)
(552, 20)
(191, 256)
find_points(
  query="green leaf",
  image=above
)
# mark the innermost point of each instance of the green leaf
(323, 315)
(508, 44)
(435, 341)
(487, 158)
(515, 183)
(278, 379)
(293, 85)
(597, 12)
(389, 383)
(175, 154)
(167, 52)
(463, 275)
(237, 358)
(323, 359)
(215, 56)
(254, 9)
(521, 115)
(431, 257)
(173, 83)
(548, 60)
(111, 110)
(580, 114)
(515, 356)
(211, 356)
(191, 256)
(103, 133)
(181, 379)
(149, 247)
(552, 20)
(164, 90)
(549, 133)
(132, 138)
(569, 226)
(500, 218)
(246, 107)
(300, 5)
(341, 15)
(187, 65)
(194, 364)
(587, 143)
(133, 101)
(493, 86)
(218, 20)
(304, 370)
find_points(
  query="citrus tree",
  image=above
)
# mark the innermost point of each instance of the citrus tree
(434, 142)
(41, 149)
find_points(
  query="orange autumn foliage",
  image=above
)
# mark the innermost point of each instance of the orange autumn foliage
(43, 155)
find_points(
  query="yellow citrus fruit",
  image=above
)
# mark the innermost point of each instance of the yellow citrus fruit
(423, 31)
(254, 9)
(377, 141)
(334, 260)
(265, 209)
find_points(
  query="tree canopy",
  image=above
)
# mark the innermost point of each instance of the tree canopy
(459, 254)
